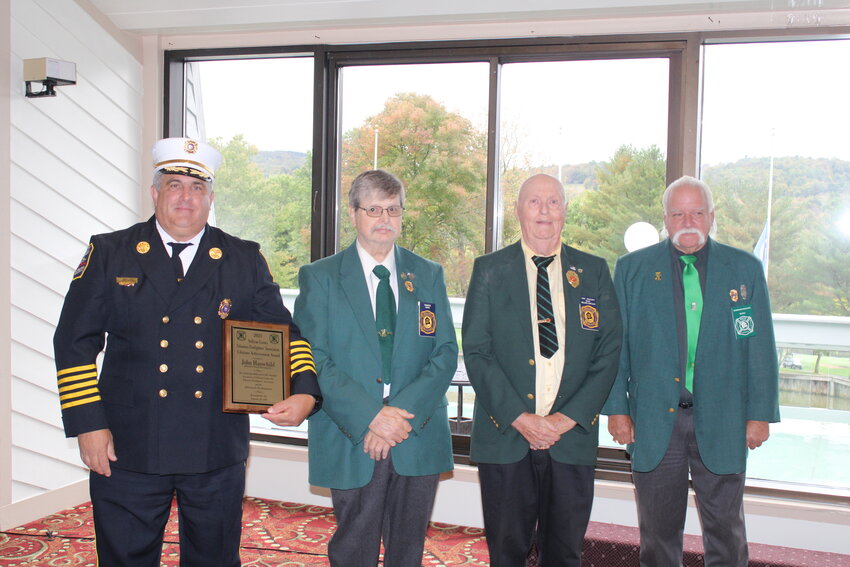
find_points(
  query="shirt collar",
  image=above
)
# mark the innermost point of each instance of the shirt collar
(166, 238)
(369, 263)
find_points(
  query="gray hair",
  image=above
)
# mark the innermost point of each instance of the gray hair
(159, 174)
(688, 181)
(376, 180)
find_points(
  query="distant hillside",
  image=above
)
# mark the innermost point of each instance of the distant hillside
(278, 162)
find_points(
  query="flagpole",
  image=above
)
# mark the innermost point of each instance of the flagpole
(769, 205)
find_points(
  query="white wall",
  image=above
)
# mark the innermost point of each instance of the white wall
(74, 170)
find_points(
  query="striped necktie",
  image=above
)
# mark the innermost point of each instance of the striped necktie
(547, 335)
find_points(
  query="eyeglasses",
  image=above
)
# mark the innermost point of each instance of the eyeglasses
(376, 211)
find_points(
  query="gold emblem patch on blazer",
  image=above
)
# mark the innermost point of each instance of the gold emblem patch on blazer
(733, 294)
(215, 253)
(143, 247)
(408, 285)
(589, 314)
(573, 278)
(427, 319)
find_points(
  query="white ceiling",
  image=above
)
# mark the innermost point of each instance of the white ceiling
(200, 16)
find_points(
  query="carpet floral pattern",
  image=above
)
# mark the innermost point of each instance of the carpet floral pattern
(278, 534)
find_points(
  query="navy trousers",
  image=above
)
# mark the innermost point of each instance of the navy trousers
(131, 510)
(540, 492)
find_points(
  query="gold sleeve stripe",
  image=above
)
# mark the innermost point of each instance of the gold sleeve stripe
(301, 356)
(295, 368)
(77, 386)
(80, 402)
(76, 369)
(80, 394)
(299, 343)
(77, 377)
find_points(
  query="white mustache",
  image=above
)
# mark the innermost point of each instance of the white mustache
(684, 231)
(383, 226)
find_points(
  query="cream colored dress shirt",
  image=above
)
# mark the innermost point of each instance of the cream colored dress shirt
(548, 370)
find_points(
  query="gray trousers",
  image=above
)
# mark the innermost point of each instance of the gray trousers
(391, 506)
(662, 501)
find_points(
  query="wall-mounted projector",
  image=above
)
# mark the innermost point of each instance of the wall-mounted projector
(50, 73)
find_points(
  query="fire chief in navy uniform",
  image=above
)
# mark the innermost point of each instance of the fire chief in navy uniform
(151, 426)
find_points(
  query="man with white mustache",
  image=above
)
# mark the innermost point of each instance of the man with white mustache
(698, 379)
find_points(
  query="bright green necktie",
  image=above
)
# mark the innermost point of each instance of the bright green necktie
(385, 319)
(693, 312)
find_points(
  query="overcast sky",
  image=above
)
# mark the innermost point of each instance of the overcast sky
(755, 102)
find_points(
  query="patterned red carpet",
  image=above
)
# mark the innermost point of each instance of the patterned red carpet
(277, 534)
(274, 534)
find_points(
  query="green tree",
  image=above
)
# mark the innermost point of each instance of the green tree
(274, 210)
(441, 159)
(807, 271)
(629, 190)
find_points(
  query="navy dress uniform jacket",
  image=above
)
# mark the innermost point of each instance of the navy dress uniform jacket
(160, 390)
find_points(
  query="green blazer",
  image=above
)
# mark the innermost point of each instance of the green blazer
(498, 350)
(334, 310)
(736, 377)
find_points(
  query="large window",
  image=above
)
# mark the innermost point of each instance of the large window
(427, 125)
(463, 124)
(775, 152)
(262, 190)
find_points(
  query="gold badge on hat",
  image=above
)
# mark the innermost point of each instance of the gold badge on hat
(573, 278)
(143, 247)
(215, 253)
(224, 308)
(190, 147)
(733, 294)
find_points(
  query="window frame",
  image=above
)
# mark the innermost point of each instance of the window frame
(684, 51)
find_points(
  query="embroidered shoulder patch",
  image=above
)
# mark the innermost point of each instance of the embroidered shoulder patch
(84, 263)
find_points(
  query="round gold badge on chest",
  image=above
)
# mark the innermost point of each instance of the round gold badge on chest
(143, 247)
(215, 253)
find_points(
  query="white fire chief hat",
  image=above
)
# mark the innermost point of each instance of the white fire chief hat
(185, 156)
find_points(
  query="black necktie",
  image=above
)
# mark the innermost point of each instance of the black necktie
(546, 332)
(176, 249)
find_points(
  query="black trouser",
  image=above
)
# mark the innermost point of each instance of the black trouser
(131, 510)
(536, 491)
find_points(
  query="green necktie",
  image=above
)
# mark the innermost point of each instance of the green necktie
(693, 312)
(385, 319)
